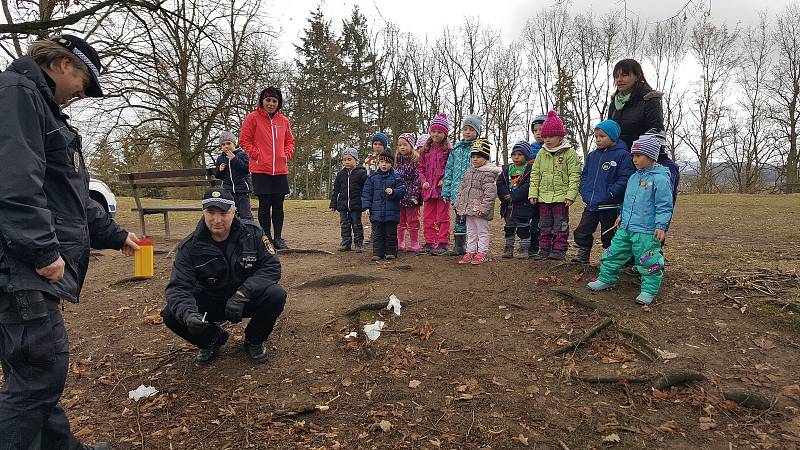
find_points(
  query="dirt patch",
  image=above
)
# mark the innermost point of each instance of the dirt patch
(464, 366)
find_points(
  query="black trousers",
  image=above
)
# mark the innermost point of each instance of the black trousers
(384, 239)
(263, 313)
(243, 208)
(535, 231)
(584, 233)
(352, 228)
(270, 213)
(35, 358)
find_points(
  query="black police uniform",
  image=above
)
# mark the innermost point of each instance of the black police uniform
(46, 213)
(206, 274)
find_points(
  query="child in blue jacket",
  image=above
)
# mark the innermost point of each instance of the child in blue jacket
(642, 225)
(603, 182)
(381, 196)
(233, 168)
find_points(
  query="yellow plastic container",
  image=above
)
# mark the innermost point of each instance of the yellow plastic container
(143, 259)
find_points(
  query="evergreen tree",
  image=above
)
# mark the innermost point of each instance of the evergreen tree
(105, 165)
(358, 64)
(319, 115)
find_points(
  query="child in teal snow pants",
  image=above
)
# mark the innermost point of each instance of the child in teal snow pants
(642, 225)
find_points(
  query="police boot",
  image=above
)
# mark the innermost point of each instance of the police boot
(97, 446)
(524, 248)
(208, 354)
(459, 245)
(508, 250)
(257, 351)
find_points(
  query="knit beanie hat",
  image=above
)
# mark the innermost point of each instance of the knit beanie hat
(387, 156)
(481, 148)
(350, 152)
(380, 137)
(538, 119)
(475, 122)
(227, 136)
(410, 138)
(610, 128)
(647, 146)
(422, 140)
(273, 92)
(522, 147)
(441, 123)
(659, 134)
(553, 126)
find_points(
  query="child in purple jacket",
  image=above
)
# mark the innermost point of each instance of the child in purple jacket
(406, 160)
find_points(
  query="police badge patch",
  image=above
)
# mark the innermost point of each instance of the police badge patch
(268, 245)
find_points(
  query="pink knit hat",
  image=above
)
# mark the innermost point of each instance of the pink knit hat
(553, 126)
(422, 140)
(440, 123)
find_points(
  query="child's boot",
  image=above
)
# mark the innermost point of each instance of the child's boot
(467, 258)
(542, 254)
(413, 237)
(459, 245)
(508, 250)
(644, 298)
(582, 256)
(344, 246)
(401, 240)
(359, 247)
(598, 285)
(480, 258)
(524, 248)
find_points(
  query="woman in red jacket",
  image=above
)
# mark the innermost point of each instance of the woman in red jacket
(267, 138)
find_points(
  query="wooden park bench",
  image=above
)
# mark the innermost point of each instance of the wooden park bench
(166, 179)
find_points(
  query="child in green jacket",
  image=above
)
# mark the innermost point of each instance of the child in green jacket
(555, 178)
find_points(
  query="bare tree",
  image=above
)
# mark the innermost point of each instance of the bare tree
(185, 72)
(425, 80)
(785, 88)
(666, 49)
(501, 95)
(714, 47)
(749, 147)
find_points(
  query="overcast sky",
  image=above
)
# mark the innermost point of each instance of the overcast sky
(420, 16)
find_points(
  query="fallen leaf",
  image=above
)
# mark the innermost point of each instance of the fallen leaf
(665, 354)
(385, 425)
(660, 394)
(707, 423)
(669, 426)
(413, 384)
(425, 332)
(84, 432)
(764, 343)
(521, 439)
(321, 390)
(155, 319)
(465, 397)
(507, 316)
(347, 382)
(612, 438)
(435, 442)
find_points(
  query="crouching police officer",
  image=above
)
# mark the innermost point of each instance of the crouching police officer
(47, 224)
(225, 270)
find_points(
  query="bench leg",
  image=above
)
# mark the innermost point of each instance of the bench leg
(166, 223)
(141, 223)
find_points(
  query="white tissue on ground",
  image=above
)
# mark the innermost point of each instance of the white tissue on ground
(373, 330)
(394, 304)
(350, 335)
(142, 392)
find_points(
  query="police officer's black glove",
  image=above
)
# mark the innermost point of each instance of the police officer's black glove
(235, 308)
(195, 324)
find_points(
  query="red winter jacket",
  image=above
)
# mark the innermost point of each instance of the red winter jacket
(268, 142)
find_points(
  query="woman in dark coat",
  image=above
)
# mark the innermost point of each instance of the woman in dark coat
(635, 106)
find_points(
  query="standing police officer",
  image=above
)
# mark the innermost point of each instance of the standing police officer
(225, 270)
(47, 224)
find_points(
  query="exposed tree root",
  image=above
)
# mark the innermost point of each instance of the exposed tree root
(575, 298)
(370, 307)
(337, 280)
(304, 250)
(667, 380)
(128, 280)
(747, 399)
(638, 343)
(611, 379)
(281, 413)
(581, 340)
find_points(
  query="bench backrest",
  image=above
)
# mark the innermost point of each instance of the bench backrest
(170, 178)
